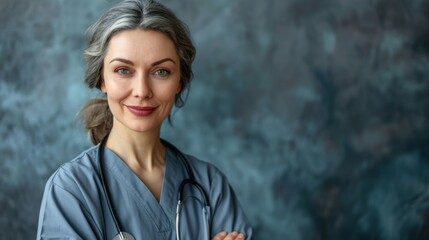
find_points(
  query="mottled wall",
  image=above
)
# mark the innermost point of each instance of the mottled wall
(317, 111)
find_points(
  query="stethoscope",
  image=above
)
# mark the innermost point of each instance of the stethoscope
(122, 235)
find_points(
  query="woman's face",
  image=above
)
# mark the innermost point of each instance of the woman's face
(141, 76)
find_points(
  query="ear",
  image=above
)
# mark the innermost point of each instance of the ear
(179, 88)
(102, 85)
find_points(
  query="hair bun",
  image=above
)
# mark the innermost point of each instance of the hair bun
(96, 119)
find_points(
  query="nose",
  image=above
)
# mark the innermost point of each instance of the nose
(142, 87)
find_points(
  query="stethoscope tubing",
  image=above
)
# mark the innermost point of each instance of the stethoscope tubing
(106, 193)
(180, 196)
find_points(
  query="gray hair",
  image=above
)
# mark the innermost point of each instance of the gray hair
(129, 15)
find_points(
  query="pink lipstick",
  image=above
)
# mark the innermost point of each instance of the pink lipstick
(141, 111)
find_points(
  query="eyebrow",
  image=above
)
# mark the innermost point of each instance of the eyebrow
(122, 60)
(126, 61)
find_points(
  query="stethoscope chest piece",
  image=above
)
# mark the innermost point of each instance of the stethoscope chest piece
(123, 236)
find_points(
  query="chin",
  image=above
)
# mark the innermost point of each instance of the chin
(145, 128)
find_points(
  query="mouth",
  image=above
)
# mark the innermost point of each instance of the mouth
(141, 111)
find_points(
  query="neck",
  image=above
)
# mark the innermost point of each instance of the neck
(139, 150)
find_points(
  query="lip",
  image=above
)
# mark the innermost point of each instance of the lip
(141, 111)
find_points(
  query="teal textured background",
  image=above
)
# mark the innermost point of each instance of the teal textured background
(317, 111)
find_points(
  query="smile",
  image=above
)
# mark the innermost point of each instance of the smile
(141, 111)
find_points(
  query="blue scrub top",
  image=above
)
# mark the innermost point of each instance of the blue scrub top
(74, 205)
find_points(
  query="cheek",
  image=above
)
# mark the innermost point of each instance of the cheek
(170, 93)
(115, 95)
(114, 89)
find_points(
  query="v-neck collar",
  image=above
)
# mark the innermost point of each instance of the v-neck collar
(163, 212)
(173, 176)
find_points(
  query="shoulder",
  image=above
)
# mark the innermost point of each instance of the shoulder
(207, 174)
(203, 167)
(71, 200)
(76, 173)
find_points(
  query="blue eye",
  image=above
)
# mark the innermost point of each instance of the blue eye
(162, 72)
(123, 71)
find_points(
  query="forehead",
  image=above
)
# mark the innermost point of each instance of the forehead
(141, 44)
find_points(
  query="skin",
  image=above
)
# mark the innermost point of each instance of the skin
(142, 69)
(229, 236)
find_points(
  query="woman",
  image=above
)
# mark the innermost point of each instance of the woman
(139, 55)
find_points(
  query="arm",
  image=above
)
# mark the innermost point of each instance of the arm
(64, 216)
(227, 213)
